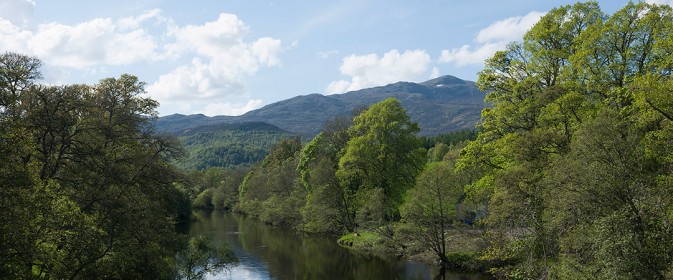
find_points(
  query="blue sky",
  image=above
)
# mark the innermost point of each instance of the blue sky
(226, 57)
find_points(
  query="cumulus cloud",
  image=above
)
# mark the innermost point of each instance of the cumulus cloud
(219, 57)
(371, 70)
(17, 11)
(96, 42)
(134, 22)
(465, 55)
(92, 43)
(12, 37)
(509, 29)
(491, 39)
(221, 63)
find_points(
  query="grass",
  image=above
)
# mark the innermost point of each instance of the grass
(369, 242)
(463, 248)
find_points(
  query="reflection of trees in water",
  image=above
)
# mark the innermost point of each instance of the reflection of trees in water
(292, 255)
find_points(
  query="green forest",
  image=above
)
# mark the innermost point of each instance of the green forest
(569, 175)
(227, 148)
(87, 189)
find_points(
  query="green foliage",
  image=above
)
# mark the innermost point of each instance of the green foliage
(86, 188)
(382, 153)
(225, 196)
(327, 206)
(366, 241)
(437, 152)
(617, 194)
(227, 148)
(430, 207)
(464, 261)
(272, 191)
(571, 158)
(201, 257)
(323, 211)
(204, 200)
(451, 138)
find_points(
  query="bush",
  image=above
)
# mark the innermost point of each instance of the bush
(465, 261)
(204, 200)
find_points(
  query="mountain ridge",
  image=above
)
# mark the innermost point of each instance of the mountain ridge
(439, 105)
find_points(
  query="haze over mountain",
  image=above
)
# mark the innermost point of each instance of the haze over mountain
(439, 105)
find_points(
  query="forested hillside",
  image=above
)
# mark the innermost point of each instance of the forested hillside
(228, 145)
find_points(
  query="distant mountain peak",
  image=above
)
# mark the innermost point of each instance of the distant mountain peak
(439, 105)
(443, 81)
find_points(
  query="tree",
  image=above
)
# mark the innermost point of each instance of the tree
(272, 191)
(201, 257)
(327, 208)
(383, 153)
(17, 73)
(430, 207)
(607, 198)
(87, 186)
(575, 68)
(437, 152)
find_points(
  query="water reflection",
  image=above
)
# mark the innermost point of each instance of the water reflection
(267, 252)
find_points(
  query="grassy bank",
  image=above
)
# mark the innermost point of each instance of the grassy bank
(463, 248)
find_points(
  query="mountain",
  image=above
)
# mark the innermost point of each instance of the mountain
(439, 105)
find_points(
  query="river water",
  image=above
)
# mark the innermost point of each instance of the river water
(267, 252)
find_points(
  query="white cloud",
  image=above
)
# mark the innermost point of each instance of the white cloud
(136, 21)
(370, 70)
(266, 50)
(339, 86)
(491, 39)
(435, 73)
(91, 43)
(211, 37)
(327, 54)
(17, 11)
(12, 37)
(466, 56)
(509, 29)
(222, 60)
(229, 109)
(220, 56)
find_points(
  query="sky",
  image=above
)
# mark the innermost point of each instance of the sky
(227, 57)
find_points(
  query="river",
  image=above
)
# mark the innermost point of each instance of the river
(267, 252)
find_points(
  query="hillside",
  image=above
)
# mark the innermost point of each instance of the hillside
(228, 145)
(439, 105)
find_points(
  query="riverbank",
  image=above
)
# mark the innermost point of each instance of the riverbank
(463, 247)
(272, 252)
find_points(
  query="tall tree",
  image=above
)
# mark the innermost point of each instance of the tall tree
(430, 207)
(91, 187)
(574, 65)
(383, 157)
(17, 73)
(327, 208)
